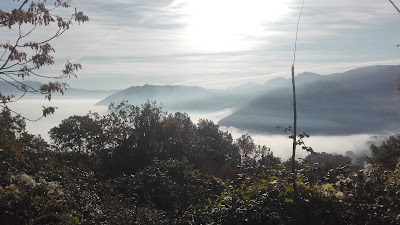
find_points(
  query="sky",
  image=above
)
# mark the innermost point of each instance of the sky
(220, 43)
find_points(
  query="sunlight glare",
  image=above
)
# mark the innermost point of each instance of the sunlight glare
(224, 25)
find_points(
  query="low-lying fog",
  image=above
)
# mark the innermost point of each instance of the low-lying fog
(279, 143)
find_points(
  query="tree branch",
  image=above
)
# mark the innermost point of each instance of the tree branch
(22, 5)
(15, 100)
(34, 27)
(5, 50)
(19, 114)
(33, 91)
(9, 56)
(18, 61)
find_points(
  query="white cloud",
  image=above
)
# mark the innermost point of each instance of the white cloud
(146, 38)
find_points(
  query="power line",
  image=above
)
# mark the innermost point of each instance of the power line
(297, 31)
(398, 10)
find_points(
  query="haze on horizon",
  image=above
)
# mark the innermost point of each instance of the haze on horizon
(221, 43)
(279, 143)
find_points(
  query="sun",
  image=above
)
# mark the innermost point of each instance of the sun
(229, 25)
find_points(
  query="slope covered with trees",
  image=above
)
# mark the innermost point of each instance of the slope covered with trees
(140, 165)
(357, 101)
(187, 98)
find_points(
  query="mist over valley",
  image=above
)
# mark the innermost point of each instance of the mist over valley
(342, 112)
(359, 101)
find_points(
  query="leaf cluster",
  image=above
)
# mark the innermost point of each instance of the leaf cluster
(80, 180)
(21, 58)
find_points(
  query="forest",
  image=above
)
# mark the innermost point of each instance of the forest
(140, 165)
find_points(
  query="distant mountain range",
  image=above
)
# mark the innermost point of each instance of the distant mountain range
(363, 100)
(188, 98)
(10, 89)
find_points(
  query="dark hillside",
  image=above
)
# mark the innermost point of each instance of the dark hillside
(358, 101)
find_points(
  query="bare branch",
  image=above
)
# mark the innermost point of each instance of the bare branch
(9, 56)
(22, 85)
(11, 97)
(49, 77)
(34, 27)
(19, 114)
(56, 35)
(5, 50)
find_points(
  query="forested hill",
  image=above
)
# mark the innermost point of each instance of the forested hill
(363, 100)
(140, 165)
(187, 98)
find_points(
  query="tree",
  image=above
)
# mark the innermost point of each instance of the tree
(267, 158)
(13, 134)
(247, 149)
(215, 146)
(172, 186)
(387, 155)
(80, 134)
(21, 58)
(82, 138)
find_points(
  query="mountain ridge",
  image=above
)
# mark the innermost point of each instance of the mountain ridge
(11, 89)
(356, 101)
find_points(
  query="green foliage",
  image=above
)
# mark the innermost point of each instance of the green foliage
(87, 177)
(253, 155)
(13, 134)
(170, 186)
(267, 199)
(387, 155)
(130, 137)
(214, 147)
(247, 149)
(323, 164)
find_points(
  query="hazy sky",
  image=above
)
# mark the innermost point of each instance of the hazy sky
(220, 43)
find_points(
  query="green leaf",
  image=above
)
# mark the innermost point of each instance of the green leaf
(288, 200)
(289, 188)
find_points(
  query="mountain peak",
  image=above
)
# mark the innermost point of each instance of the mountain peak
(308, 75)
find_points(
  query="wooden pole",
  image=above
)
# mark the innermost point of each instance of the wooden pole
(294, 128)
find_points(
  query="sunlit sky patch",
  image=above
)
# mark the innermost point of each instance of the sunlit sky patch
(221, 43)
(226, 25)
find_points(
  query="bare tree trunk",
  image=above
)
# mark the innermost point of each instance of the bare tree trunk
(294, 102)
(294, 128)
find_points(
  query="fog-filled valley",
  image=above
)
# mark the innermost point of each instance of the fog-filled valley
(342, 112)
(360, 101)
(137, 153)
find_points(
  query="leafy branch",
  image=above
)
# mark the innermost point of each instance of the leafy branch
(21, 58)
(299, 138)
